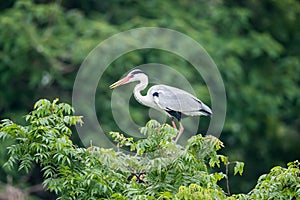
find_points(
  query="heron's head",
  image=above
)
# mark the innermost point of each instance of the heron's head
(134, 75)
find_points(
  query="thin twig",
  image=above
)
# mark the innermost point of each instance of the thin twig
(227, 178)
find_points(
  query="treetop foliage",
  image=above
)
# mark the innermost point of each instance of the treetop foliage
(158, 168)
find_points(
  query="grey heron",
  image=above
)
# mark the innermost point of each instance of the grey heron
(174, 102)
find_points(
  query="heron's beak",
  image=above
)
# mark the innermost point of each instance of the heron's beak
(120, 82)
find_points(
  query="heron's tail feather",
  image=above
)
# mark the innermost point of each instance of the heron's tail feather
(205, 110)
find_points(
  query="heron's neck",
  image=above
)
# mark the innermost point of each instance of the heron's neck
(137, 92)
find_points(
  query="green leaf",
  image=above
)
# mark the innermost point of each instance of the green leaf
(239, 168)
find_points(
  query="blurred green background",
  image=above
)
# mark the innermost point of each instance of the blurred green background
(255, 44)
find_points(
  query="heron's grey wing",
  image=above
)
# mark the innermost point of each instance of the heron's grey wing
(170, 98)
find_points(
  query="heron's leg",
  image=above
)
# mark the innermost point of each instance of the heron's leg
(173, 123)
(174, 126)
(180, 131)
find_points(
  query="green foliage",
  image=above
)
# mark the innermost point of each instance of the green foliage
(194, 192)
(238, 168)
(157, 168)
(168, 166)
(40, 48)
(280, 183)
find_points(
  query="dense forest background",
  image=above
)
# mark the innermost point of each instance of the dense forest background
(255, 45)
